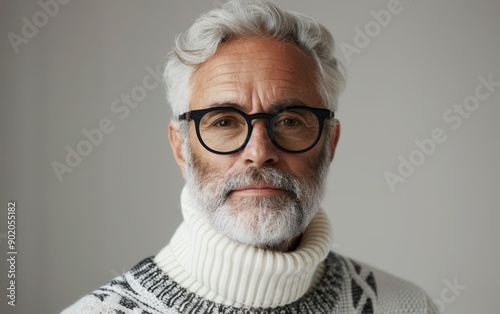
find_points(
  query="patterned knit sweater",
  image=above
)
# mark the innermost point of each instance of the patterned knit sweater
(201, 271)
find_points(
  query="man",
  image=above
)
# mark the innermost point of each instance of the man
(253, 91)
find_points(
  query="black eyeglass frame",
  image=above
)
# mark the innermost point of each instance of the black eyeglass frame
(197, 115)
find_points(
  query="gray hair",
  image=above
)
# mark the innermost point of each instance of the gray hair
(245, 18)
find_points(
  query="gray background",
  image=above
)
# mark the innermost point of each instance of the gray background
(121, 203)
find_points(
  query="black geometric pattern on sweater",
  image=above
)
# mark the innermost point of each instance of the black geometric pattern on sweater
(322, 300)
(120, 281)
(368, 308)
(356, 292)
(370, 280)
(108, 290)
(129, 304)
(100, 296)
(119, 312)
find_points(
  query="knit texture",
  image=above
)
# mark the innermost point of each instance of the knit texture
(346, 287)
(201, 271)
(218, 269)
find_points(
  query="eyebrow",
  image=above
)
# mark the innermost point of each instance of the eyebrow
(275, 106)
(281, 104)
(227, 104)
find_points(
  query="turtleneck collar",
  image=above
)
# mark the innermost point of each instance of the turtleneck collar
(223, 271)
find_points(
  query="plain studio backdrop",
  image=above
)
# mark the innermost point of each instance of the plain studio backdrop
(413, 190)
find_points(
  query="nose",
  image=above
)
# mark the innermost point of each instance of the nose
(259, 150)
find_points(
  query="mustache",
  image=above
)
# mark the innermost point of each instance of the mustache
(264, 175)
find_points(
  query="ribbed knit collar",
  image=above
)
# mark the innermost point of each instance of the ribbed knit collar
(223, 271)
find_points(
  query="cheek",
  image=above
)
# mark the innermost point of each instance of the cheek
(302, 169)
(301, 163)
(308, 165)
(208, 166)
(193, 138)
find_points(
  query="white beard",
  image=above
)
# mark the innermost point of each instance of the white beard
(270, 222)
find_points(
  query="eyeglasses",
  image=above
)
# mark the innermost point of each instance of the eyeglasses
(227, 130)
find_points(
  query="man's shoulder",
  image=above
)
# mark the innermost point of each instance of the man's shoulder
(371, 288)
(106, 299)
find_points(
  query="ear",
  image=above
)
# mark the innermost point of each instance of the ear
(176, 140)
(334, 138)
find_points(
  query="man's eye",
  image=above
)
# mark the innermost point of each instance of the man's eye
(224, 123)
(289, 122)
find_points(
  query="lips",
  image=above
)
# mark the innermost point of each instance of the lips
(258, 187)
(266, 181)
(258, 190)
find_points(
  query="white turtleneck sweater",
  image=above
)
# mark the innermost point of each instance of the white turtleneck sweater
(201, 271)
(223, 271)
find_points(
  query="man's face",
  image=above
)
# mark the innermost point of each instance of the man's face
(260, 195)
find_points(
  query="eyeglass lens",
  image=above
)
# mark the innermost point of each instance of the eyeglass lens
(226, 130)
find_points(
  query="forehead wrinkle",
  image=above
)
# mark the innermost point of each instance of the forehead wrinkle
(225, 91)
(237, 60)
(239, 74)
(237, 69)
(293, 92)
(256, 72)
(263, 63)
(234, 78)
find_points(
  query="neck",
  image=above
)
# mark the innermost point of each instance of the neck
(216, 268)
